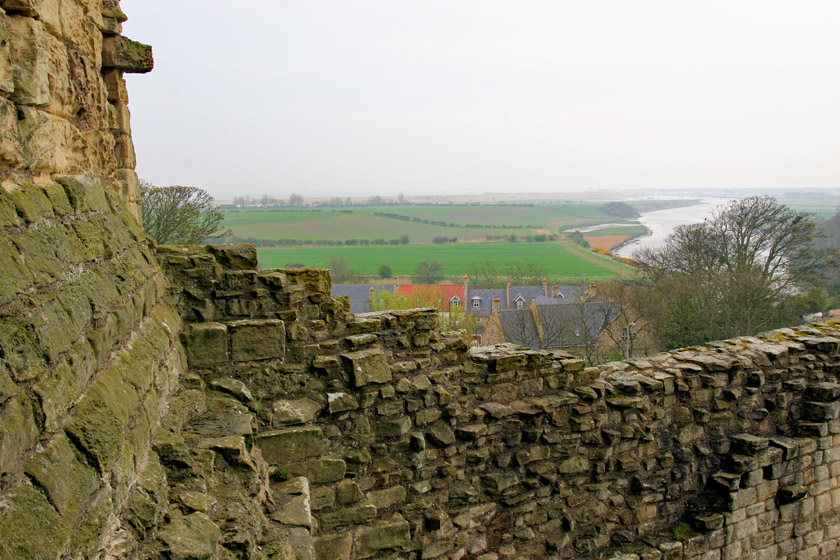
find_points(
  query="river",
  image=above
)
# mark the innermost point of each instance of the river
(660, 223)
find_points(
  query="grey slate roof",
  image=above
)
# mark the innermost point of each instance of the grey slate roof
(359, 294)
(485, 297)
(520, 327)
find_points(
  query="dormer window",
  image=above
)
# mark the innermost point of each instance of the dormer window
(476, 303)
(520, 302)
(455, 301)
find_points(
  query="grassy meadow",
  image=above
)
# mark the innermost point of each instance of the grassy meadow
(463, 222)
(477, 229)
(563, 261)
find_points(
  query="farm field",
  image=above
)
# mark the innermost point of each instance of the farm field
(564, 262)
(363, 223)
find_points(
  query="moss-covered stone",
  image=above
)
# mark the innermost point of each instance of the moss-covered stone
(32, 204)
(290, 445)
(390, 532)
(58, 199)
(18, 431)
(126, 55)
(68, 482)
(192, 537)
(16, 278)
(206, 344)
(38, 256)
(367, 366)
(31, 526)
(19, 347)
(236, 256)
(257, 339)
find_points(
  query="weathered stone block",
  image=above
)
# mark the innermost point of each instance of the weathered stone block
(126, 55)
(391, 532)
(441, 433)
(206, 344)
(393, 428)
(319, 471)
(383, 499)
(336, 546)
(30, 49)
(348, 516)
(18, 431)
(192, 537)
(291, 445)
(31, 526)
(367, 366)
(495, 483)
(299, 411)
(748, 444)
(341, 402)
(257, 339)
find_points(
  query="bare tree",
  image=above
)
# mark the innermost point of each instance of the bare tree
(726, 276)
(179, 214)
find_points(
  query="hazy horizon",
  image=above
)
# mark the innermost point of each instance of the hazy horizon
(329, 98)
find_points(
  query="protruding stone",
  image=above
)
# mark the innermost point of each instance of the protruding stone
(299, 411)
(126, 55)
(748, 444)
(257, 339)
(341, 402)
(367, 366)
(206, 344)
(291, 445)
(390, 532)
(191, 537)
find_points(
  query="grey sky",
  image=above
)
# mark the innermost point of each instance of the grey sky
(333, 97)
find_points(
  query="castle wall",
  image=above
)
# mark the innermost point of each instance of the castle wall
(89, 352)
(218, 411)
(401, 442)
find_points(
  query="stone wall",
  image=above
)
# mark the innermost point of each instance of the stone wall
(387, 439)
(89, 351)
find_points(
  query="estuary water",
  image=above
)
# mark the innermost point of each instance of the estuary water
(660, 223)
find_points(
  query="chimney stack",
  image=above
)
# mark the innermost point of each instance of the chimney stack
(545, 287)
(496, 304)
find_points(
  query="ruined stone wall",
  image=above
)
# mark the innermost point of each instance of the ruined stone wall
(384, 438)
(89, 351)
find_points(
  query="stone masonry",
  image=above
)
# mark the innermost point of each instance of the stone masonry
(182, 404)
(385, 438)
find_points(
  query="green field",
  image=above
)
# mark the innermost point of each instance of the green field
(563, 261)
(463, 222)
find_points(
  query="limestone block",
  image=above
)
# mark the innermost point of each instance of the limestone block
(393, 428)
(319, 471)
(336, 546)
(194, 536)
(67, 482)
(348, 516)
(383, 499)
(293, 510)
(390, 532)
(18, 431)
(341, 402)
(7, 83)
(441, 433)
(367, 366)
(51, 144)
(494, 483)
(823, 392)
(22, 7)
(31, 526)
(126, 55)
(290, 445)
(206, 344)
(748, 444)
(298, 411)
(257, 339)
(30, 50)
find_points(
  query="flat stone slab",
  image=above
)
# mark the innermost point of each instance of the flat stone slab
(257, 339)
(281, 447)
(367, 366)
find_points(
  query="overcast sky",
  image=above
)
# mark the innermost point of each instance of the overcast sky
(338, 97)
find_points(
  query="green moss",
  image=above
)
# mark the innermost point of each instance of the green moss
(682, 532)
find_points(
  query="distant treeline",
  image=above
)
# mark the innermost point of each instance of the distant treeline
(296, 201)
(402, 240)
(450, 224)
